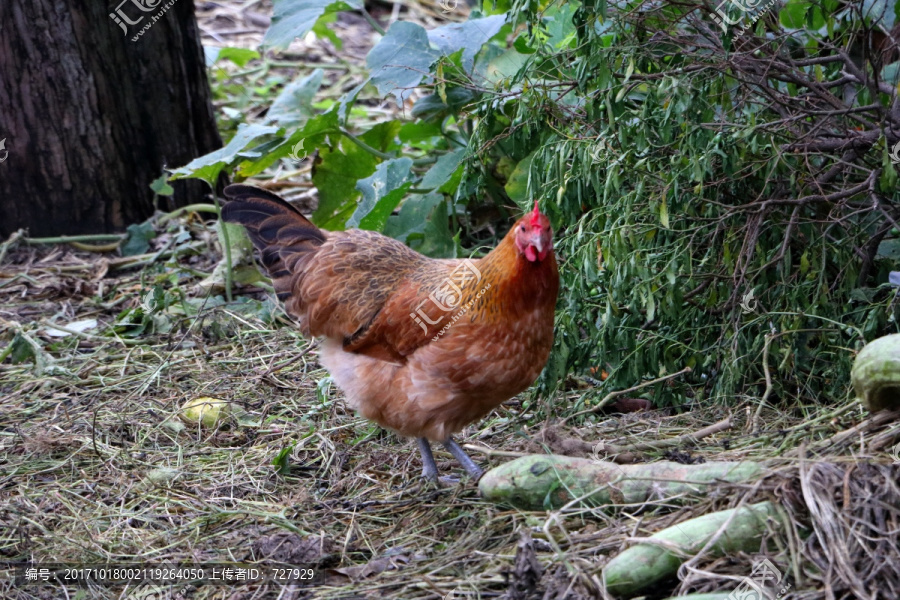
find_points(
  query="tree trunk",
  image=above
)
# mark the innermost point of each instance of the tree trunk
(96, 98)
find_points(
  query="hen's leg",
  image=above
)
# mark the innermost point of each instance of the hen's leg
(459, 454)
(429, 469)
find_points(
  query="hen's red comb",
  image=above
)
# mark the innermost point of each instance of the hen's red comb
(536, 215)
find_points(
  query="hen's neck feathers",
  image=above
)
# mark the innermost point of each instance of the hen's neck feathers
(516, 284)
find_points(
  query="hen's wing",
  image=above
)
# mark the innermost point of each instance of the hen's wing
(357, 286)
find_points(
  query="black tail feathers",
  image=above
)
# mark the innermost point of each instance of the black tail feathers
(285, 238)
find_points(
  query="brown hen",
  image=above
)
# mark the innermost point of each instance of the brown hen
(421, 346)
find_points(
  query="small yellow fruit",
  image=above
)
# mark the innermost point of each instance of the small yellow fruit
(206, 411)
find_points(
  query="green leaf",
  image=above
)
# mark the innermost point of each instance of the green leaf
(383, 136)
(346, 101)
(881, 12)
(302, 142)
(517, 185)
(137, 240)
(559, 26)
(889, 249)
(282, 460)
(20, 350)
(381, 193)
(415, 133)
(324, 30)
(294, 18)
(338, 169)
(438, 241)
(442, 170)
(468, 37)
(793, 14)
(891, 74)
(161, 187)
(239, 56)
(412, 217)
(208, 166)
(401, 60)
(294, 104)
(504, 66)
(521, 45)
(335, 174)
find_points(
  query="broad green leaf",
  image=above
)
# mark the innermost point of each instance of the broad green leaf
(794, 14)
(208, 166)
(294, 104)
(417, 132)
(517, 184)
(882, 12)
(161, 186)
(889, 249)
(559, 26)
(338, 221)
(324, 30)
(413, 216)
(20, 350)
(504, 66)
(137, 240)
(383, 136)
(335, 174)
(401, 60)
(468, 37)
(438, 241)
(340, 167)
(301, 143)
(381, 193)
(294, 18)
(521, 44)
(442, 170)
(891, 74)
(239, 56)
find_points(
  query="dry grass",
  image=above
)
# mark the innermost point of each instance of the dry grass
(96, 467)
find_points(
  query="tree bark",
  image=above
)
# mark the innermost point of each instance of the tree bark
(95, 100)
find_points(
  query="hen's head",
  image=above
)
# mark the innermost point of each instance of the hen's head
(534, 238)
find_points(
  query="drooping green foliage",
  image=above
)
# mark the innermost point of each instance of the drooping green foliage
(719, 186)
(722, 178)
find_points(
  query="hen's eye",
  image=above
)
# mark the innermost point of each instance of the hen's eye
(521, 228)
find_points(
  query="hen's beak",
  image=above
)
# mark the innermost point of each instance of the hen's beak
(536, 241)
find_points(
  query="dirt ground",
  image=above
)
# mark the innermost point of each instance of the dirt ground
(97, 467)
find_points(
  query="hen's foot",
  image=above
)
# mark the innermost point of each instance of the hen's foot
(459, 454)
(429, 468)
